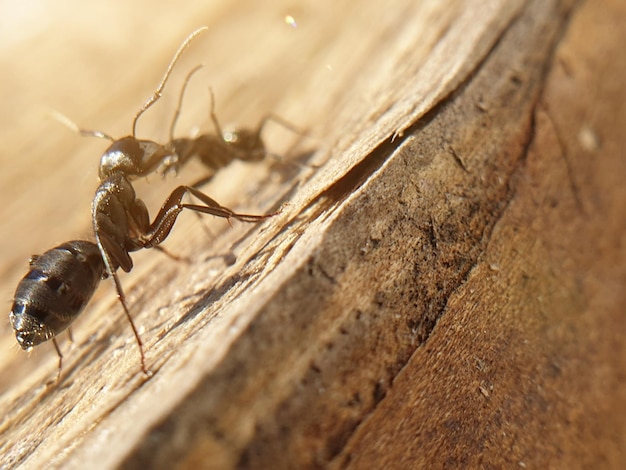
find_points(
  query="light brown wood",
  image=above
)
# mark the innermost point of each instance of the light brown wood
(444, 290)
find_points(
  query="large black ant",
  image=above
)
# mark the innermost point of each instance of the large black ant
(61, 282)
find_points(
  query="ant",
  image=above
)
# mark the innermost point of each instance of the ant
(215, 151)
(61, 282)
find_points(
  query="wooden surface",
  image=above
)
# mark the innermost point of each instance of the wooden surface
(446, 290)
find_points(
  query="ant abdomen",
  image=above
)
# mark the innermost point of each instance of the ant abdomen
(55, 291)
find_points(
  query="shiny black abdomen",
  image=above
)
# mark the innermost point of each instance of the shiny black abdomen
(55, 290)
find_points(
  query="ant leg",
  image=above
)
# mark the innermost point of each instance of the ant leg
(290, 127)
(60, 354)
(70, 337)
(69, 334)
(165, 219)
(296, 130)
(108, 263)
(228, 258)
(264, 120)
(171, 255)
(280, 121)
(202, 181)
(214, 208)
(198, 184)
(122, 298)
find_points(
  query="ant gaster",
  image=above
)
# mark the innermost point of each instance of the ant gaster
(54, 292)
(63, 279)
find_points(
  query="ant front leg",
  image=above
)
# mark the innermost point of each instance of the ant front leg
(173, 206)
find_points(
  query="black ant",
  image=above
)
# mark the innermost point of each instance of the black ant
(61, 282)
(215, 151)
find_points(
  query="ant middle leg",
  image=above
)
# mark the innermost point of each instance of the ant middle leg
(110, 252)
(122, 298)
(171, 255)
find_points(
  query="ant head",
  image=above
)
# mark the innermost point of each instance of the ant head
(247, 143)
(131, 157)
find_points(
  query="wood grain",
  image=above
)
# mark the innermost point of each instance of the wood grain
(444, 290)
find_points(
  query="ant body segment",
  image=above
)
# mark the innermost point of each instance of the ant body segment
(54, 292)
(61, 282)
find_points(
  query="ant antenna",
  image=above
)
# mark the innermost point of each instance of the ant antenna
(180, 99)
(157, 94)
(67, 122)
(216, 123)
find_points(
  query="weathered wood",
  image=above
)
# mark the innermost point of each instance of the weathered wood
(446, 290)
